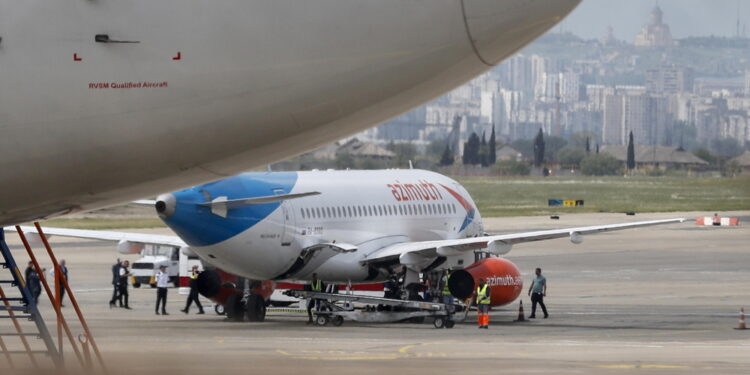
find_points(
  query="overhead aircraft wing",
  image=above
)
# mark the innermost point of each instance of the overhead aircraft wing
(409, 253)
(139, 238)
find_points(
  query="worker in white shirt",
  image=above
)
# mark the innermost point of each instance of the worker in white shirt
(64, 272)
(162, 283)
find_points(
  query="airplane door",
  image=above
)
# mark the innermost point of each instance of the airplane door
(287, 213)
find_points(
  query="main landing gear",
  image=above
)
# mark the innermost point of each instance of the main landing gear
(253, 308)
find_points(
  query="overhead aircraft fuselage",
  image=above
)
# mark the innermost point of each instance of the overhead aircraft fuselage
(107, 101)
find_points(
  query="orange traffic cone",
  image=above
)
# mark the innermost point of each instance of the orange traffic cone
(742, 319)
(521, 317)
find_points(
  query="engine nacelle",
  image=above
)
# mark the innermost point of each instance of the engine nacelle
(127, 247)
(576, 238)
(500, 274)
(218, 286)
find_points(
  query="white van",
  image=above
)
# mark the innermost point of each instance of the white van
(153, 257)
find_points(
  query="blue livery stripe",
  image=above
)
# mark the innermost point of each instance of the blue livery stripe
(197, 226)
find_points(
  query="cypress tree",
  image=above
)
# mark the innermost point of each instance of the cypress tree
(471, 150)
(483, 152)
(539, 149)
(447, 158)
(631, 152)
(492, 158)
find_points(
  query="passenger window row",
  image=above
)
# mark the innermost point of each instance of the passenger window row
(419, 209)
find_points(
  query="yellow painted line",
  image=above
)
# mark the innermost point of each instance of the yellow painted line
(387, 357)
(340, 355)
(669, 367)
(626, 366)
(405, 349)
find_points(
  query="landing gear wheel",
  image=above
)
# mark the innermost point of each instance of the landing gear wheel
(136, 285)
(256, 308)
(337, 320)
(321, 320)
(450, 323)
(439, 322)
(219, 309)
(234, 308)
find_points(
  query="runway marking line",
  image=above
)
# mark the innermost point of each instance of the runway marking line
(626, 366)
(340, 355)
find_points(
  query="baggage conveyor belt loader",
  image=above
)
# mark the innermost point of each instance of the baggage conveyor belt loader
(377, 309)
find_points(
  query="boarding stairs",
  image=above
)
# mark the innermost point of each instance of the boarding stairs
(25, 340)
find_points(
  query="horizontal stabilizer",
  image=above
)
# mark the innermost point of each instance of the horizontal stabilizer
(221, 205)
(144, 202)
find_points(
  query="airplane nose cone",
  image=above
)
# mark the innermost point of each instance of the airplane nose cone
(165, 205)
(499, 28)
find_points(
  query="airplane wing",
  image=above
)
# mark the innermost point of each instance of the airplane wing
(139, 238)
(410, 253)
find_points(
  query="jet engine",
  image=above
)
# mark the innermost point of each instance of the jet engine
(500, 274)
(218, 286)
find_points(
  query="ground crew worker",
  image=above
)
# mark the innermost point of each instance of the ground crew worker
(193, 296)
(115, 282)
(29, 268)
(483, 304)
(33, 282)
(315, 286)
(122, 284)
(162, 283)
(64, 272)
(537, 291)
(447, 296)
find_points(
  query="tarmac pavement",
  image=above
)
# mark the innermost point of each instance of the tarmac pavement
(658, 300)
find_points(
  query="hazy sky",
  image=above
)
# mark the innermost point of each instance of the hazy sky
(685, 17)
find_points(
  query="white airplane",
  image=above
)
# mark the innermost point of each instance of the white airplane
(346, 226)
(103, 102)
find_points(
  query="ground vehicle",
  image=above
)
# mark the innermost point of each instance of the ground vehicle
(153, 257)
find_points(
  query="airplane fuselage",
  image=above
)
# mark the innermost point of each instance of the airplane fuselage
(368, 210)
(107, 101)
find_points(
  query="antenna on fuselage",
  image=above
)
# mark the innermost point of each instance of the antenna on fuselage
(411, 166)
(268, 167)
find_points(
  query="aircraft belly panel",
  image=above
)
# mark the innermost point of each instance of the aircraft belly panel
(209, 89)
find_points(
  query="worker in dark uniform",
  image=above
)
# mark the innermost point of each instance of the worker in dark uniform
(33, 282)
(314, 286)
(122, 285)
(64, 272)
(391, 288)
(115, 283)
(537, 291)
(29, 268)
(193, 296)
(483, 304)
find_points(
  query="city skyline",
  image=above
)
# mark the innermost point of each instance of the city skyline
(686, 17)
